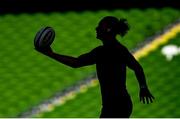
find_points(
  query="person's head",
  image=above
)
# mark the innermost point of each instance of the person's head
(110, 26)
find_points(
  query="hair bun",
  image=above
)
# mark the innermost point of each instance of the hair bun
(123, 21)
(123, 26)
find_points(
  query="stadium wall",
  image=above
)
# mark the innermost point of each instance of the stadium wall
(19, 6)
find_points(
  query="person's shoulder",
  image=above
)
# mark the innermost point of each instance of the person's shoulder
(98, 47)
(122, 47)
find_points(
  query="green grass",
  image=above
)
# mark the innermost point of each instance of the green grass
(27, 77)
(163, 82)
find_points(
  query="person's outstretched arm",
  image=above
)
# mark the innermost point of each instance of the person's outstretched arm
(133, 64)
(83, 60)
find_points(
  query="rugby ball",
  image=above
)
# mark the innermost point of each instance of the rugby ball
(44, 37)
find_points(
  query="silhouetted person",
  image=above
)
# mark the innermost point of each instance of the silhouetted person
(111, 60)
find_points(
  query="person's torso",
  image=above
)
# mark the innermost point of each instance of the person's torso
(111, 70)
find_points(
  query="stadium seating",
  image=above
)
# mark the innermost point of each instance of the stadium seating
(27, 77)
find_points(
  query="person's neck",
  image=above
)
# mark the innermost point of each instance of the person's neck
(110, 42)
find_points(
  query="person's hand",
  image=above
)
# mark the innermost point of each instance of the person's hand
(45, 51)
(146, 96)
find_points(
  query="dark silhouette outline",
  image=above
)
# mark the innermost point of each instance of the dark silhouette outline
(111, 60)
